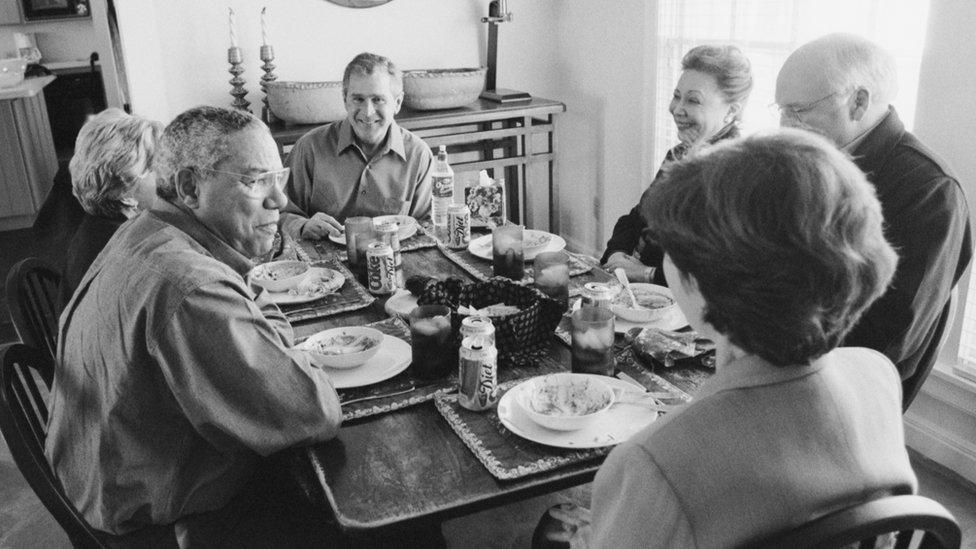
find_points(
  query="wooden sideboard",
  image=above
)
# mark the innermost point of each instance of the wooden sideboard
(28, 162)
(511, 138)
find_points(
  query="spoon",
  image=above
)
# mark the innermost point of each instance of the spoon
(622, 277)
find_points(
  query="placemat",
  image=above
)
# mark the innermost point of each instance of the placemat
(581, 268)
(351, 296)
(423, 238)
(403, 389)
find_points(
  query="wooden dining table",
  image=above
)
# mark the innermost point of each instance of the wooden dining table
(407, 470)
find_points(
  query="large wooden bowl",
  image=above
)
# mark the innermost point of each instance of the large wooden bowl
(306, 102)
(432, 89)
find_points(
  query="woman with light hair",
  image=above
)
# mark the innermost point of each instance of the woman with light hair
(112, 179)
(706, 106)
(773, 248)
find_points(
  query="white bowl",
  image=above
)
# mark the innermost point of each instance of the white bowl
(12, 71)
(658, 302)
(565, 402)
(306, 102)
(279, 276)
(406, 225)
(343, 348)
(433, 89)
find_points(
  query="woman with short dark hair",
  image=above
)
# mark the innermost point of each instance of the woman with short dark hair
(773, 247)
(707, 108)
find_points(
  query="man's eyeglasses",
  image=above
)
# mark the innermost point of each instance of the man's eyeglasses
(794, 112)
(259, 185)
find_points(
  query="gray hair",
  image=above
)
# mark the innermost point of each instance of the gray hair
(784, 279)
(366, 64)
(852, 61)
(109, 147)
(196, 140)
(727, 64)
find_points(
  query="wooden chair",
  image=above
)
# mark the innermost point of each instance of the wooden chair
(26, 375)
(862, 523)
(32, 299)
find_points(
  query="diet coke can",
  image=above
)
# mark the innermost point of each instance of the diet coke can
(380, 269)
(478, 326)
(477, 374)
(598, 294)
(458, 226)
(387, 232)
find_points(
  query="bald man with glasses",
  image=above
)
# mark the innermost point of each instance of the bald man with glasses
(841, 87)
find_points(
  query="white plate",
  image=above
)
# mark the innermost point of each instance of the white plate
(612, 427)
(406, 225)
(400, 304)
(673, 320)
(286, 298)
(393, 358)
(481, 247)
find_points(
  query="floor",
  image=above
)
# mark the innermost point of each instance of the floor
(25, 523)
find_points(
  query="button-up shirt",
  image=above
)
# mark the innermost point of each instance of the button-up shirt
(331, 174)
(173, 378)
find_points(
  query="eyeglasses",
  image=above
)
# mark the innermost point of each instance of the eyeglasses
(259, 185)
(795, 112)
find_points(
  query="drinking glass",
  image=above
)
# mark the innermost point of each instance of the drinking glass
(551, 271)
(507, 252)
(433, 349)
(359, 233)
(592, 333)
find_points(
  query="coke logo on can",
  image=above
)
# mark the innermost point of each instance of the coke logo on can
(380, 269)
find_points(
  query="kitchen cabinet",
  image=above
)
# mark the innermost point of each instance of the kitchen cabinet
(28, 162)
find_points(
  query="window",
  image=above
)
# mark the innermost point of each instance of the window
(767, 31)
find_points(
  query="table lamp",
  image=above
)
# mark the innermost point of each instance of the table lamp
(498, 13)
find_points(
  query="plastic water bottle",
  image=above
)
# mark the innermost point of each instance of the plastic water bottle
(442, 193)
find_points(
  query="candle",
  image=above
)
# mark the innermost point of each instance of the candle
(264, 28)
(233, 31)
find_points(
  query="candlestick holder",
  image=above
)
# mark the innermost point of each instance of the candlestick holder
(236, 60)
(267, 55)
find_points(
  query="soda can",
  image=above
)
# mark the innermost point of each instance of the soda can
(458, 226)
(477, 374)
(598, 294)
(387, 232)
(478, 326)
(380, 270)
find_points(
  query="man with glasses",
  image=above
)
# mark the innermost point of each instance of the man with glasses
(363, 165)
(174, 378)
(841, 86)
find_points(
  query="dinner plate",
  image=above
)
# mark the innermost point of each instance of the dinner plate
(393, 358)
(612, 427)
(334, 280)
(400, 304)
(481, 246)
(406, 225)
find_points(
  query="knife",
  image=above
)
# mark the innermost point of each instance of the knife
(410, 389)
(624, 377)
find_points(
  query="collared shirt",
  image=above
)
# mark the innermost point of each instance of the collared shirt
(760, 449)
(331, 174)
(856, 142)
(173, 378)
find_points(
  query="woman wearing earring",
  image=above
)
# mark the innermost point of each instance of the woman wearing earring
(706, 106)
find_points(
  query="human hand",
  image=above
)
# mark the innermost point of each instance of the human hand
(575, 522)
(636, 271)
(320, 226)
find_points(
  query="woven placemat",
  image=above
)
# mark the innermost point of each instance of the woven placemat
(581, 268)
(423, 238)
(351, 296)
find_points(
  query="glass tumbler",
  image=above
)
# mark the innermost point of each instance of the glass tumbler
(592, 334)
(359, 233)
(507, 257)
(551, 271)
(432, 348)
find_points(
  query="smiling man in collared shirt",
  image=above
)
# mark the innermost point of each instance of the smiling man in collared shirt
(363, 165)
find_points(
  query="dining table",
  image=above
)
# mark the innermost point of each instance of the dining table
(397, 464)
